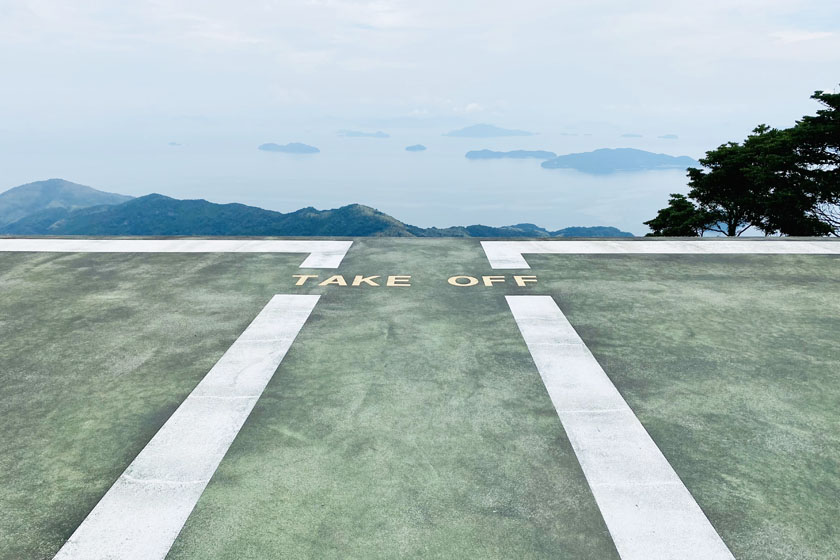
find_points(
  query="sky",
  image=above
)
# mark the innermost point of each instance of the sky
(82, 78)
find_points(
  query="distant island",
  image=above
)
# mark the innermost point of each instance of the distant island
(531, 230)
(155, 214)
(614, 160)
(486, 131)
(515, 154)
(415, 148)
(291, 148)
(361, 134)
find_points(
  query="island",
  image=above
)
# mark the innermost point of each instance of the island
(415, 148)
(515, 154)
(290, 148)
(361, 134)
(614, 160)
(486, 131)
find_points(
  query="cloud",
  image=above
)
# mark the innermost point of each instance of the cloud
(384, 58)
(799, 36)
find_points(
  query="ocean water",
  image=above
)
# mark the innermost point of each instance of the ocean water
(438, 187)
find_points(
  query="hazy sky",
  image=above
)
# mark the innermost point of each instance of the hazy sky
(94, 92)
(514, 63)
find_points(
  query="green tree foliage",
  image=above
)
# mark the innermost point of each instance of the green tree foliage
(681, 218)
(724, 190)
(778, 181)
(785, 193)
(817, 141)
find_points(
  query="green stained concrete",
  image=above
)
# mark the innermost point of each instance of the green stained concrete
(732, 363)
(411, 422)
(403, 423)
(96, 352)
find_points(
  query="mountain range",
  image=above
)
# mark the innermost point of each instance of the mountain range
(155, 214)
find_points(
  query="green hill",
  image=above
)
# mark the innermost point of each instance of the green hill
(53, 194)
(156, 214)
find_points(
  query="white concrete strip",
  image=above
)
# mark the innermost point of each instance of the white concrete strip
(142, 513)
(508, 254)
(322, 253)
(648, 511)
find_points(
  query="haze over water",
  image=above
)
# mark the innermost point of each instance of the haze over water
(93, 92)
(437, 187)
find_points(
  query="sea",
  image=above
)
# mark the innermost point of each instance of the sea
(436, 187)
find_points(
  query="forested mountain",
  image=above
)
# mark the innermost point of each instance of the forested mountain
(156, 214)
(51, 194)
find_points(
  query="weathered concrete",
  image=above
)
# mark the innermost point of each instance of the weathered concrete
(322, 253)
(143, 512)
(508, 254)
(649, 512)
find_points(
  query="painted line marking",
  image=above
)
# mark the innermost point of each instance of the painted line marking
(142, 513)
(648, 510)
(322, 253)
(508, 254)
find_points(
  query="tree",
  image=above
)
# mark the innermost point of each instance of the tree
(817, 143)
(779, 181)
(681, 218)
(785, 196)
(725, 190)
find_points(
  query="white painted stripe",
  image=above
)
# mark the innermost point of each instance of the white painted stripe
(322, 253)
(143, 512)
(508, 254)
(648, 511)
